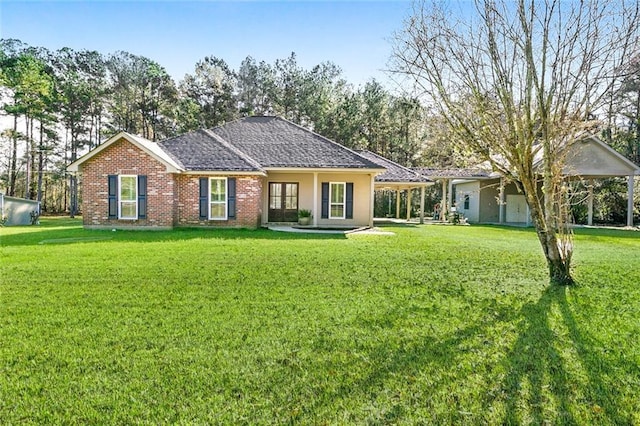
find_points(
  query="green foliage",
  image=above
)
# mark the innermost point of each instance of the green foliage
(304, 213)
(211, 87)
(436, 325)
(91, 96)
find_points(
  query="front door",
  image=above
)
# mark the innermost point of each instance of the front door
(283, 202)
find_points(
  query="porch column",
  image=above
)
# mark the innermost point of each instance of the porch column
(373, 199)
(315, 199)
(422, 204)
(590, 203)
(501, 203)
(451, 200)
(398, 203)
(443, 203)
(630, 201)
(408, 204)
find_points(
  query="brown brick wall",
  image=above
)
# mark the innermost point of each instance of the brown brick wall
(122, 157)
(248, 202)
(172, 199)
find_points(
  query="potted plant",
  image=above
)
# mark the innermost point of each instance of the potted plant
(304, 217)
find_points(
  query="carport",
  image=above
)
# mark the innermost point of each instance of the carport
(398, 178)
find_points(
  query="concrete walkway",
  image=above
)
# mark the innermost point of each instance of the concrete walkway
(359, 231)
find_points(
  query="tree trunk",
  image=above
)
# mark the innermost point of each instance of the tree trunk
(559, 265)
(27, 159)
(13, 171)
(32, 187)
(40, 164)
(73, 199)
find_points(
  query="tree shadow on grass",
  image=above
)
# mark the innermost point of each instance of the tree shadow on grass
(409, 359)
(552, 373)
(549, 350)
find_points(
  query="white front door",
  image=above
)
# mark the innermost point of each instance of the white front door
(517, 209)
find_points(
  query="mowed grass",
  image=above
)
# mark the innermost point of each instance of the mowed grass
(435, 325)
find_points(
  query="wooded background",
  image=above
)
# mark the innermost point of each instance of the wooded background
(56, 105)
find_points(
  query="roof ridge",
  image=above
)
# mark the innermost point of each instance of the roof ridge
(233, 148)
(328, 140)
(169, 153)
(391, 161)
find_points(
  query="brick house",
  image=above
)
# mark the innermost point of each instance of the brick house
(247, 173)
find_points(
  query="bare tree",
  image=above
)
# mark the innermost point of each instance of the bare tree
(518, 81)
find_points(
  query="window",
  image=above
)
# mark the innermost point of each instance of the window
(291, 196)
(337, 200)
(128, 197)
(218, 198)
(466, 202)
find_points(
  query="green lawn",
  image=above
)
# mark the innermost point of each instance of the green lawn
(440, 325)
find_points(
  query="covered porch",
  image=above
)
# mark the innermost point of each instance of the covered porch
(487, 197)
(447, 179)
(332, 197)
(399, 179)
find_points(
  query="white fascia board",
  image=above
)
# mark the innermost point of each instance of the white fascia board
(223, 173)
(149, 147)
(326, 170)
(410, 184)
(631, 164)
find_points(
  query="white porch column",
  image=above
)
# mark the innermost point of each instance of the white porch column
(373, 199)
(443, 203)
(408, 204)
(315, 199)
(501, 203)
(630, 201)
(398, 203)
(451, 200)
(590, 202)
(422, 204)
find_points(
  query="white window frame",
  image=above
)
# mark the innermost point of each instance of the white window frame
(343, 203)
(135, 197)
(225, 202)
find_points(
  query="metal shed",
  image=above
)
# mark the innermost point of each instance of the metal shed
(18, 211)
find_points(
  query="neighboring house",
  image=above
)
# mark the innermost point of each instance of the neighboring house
(484, 197)
(247, 173)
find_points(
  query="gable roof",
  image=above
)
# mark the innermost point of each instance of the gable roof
(590, 156)
(278, 143)
(143, 144)
(394, 172)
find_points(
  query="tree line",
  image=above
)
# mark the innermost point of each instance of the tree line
(56, 105)
(59, 104)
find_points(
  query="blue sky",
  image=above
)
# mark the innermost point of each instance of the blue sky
(355, 35)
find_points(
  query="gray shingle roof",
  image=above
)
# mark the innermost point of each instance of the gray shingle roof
(395, 172)
(453, 173)
(275, 142)
(201, 150)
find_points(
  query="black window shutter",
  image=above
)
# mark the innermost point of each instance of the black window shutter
(113, 196)
(204, 198)
(325, 201)
(142, 197)
(231, 198)
(349, 201)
